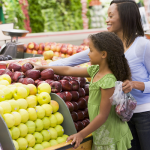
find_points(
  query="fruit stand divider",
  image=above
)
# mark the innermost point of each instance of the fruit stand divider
(68, 124)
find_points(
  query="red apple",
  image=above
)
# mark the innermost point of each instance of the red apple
(49, 81)
(81, 92)
(87, 120)
(85, 48)
(40, 52)
(86, 98)
(75, 95)
(36, 47)
(7, 71)
(47, 74)
(1, 71)
(34, 74)
(85, 123)
(67, 78)
(56, 54)
(14, 67)
(61, 77)
(68, 95)
(79, 50)
(21, 80)
(74, 116)
(67, 55)
(76, 125)
(58, 47)
(53, 47)
(66, 86)
(82, 81)
(17, 75)
(62, 55)
(37, 81)
(69, 51)
(80, 115)
(47, 47)
(64, 49)
(29, 51)
(76, 106)
(70, 106)
(3, 65)
(86, 114)
(62, 95)
(26, 66)
(56, 77)
(27, 81)
(56, 87)
(86, 88)
(31, 45)
(82, 103)
(34, 52)
(41, 46)
(75, 85)
(80, 126)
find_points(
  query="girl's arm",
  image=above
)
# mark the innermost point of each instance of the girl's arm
(105, 107)
(64, 70)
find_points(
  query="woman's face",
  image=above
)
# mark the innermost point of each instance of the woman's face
(113, 20)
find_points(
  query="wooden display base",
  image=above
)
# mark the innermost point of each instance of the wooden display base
(85, 145)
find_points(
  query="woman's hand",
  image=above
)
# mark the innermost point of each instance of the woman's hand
(76, 139)
(127, 86)
(36, 66)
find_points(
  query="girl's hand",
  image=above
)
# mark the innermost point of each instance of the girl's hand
(76, 139)
(127, 86)
(35, 66)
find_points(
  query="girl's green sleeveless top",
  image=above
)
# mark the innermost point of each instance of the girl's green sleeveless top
(113, 134)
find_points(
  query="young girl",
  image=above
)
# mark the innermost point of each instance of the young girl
(108, 65)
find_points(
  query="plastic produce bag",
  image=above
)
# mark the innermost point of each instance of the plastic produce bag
(125, 103)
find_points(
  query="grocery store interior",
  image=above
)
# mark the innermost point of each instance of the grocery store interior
(39, 110)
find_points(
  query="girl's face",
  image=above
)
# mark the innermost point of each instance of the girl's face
(113, 20)
(94, 55)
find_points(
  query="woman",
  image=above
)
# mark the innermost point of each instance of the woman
(125, 21)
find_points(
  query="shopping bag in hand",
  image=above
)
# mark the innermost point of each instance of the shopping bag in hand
(125, 103)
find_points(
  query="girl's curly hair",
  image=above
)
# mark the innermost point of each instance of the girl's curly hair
(112, 44)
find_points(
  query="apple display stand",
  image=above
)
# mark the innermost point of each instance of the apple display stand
(68, 124)
(6, 142)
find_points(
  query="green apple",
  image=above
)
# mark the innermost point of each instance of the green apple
(53, 133)
(23, 129)
(3, 86)
(38, 125)
(14, 105)
(46, 122)
(59, 117)
(65, 137)
(46, 144)
(10, 132)
(32, 114)
(43, 98)
(53, 120)
(9, 120)
(60, 140)
(8, 93)
(16, 145)
(1, 111)
(40, 112)
(21, 92)
(24, 115)
(38, 147)
(31, 126)
(2, 96)
(44, 87)
(22, 103)
(23, 144)
(33, 89)
(55, 106)
(6, 107)
(53, 142)
(60, 130)
(46, 135)
(30, 139)
(17, 118)
(15, 133)
(32, 101)
(48, 109)
(38, 137)
(4, 82)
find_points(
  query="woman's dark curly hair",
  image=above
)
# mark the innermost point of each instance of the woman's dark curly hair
(112, 44)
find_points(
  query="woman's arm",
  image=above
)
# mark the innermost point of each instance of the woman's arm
(74, 60)
(105, 107)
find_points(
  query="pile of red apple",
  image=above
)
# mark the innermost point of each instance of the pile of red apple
(73, 90)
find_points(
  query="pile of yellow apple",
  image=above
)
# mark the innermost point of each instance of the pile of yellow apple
(31, 116)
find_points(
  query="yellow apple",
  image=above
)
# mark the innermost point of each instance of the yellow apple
(23, 129)
(1, 111)
(40, 112)
(53, 120)
(60, 140)
(30, 148)
(30, 139)
(24, 115)
(59, 117)
(38, 147)
(65, 137)
(15, 133)
(48, 54)
(46, 122)
(12, 88)
(6, 107)
(8, 93)
(53, 133)
(44, 87)
(46, 135)
(32, 114)
(31, 126)
(14, 105)
(6, 77)
(55, 106)
(17, 118)
(2, 96)
(4, 82)
(53, 142)
(3, 86)
(10, 132)
(38, 137)
(43, 98)
(9, 119)
(32, 88)
(27, 88)
(48, 109)
(60, 130)
(38, 125)
(23, 144)
(32, 101)
(21, 92)
(17, 84)
(16, 144)
(22, 103)
(46, 144)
